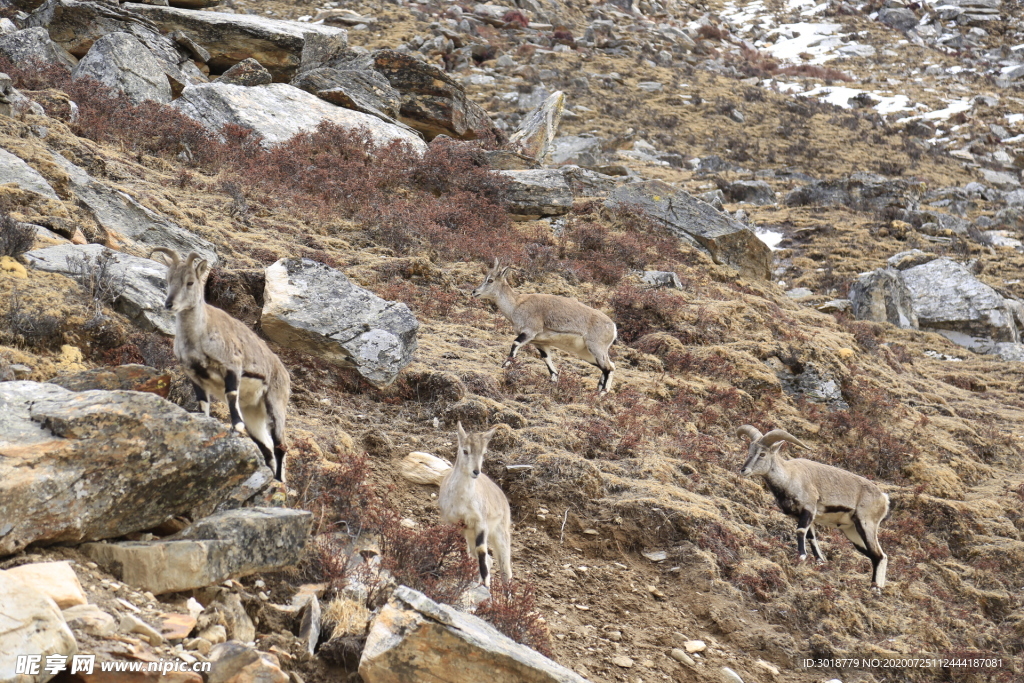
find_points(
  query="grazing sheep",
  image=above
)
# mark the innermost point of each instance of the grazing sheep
(468, 495)
(225, 359)
(813, 492)
(552, 322)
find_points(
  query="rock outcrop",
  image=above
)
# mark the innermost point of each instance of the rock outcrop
(226, 545)
(317, 309)
(413, 638)
(140, 284)
(127, 224)
(882, 296)
(725, 239)
(63, 454)
(230, 38)
(34, 44)
(433, 102)
(278, 112)
(536, 193)
(537, 131)
(14, 170)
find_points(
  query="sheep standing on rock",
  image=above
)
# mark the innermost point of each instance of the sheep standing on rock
(552, 322)
(814, 492)
(225, 359)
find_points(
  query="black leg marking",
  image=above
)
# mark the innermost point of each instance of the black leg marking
(480, 539)
(199, 370)
(868, 550)
(603, 384)
(279, 454)
(268, 455)
(814, 544)
(803, 525)
(200, 393)
(483, 566)
(231, 394)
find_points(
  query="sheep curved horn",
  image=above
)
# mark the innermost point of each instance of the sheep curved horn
(777, 435)
(173, 255)
(748, 431)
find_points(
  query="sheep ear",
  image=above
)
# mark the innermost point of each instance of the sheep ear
(202, 269)
(489, 434)
(460, 431)
(505, 272)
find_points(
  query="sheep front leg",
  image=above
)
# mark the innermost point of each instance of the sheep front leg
(806, 519)
(231, 394)
(524, 337)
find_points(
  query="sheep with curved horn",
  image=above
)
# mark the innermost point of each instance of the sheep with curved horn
(814, 492)
(225, 359)
(552, 322)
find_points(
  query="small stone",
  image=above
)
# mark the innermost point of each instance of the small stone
(692, 646)
(614, 636)
(770, 668)
(200, 645)
(681, 656)
(90, 619)
(215, 634)
(624, 662)
(132, 624)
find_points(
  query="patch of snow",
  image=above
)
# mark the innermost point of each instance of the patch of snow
(953, 108)
(819, 40)
(840, 96)
(769, 237)
(1014, 118)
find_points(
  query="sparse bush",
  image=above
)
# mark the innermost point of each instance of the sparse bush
(643, 311)
(96, 277)
(431, 559)
(15, 238)
(34, 329)
(512, 609)
(337, 493)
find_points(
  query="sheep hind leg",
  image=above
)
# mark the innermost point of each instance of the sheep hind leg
(813, 538)
(257, 423)
(879, 560)
(547, 355)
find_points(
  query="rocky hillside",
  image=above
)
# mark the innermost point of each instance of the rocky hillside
(801, 216)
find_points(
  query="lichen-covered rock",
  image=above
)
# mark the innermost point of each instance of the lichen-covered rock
(882, 296)
(30, 624)
(230, 38)
(120, 61)
(948, 299)
(366, 91)
(413, 638)
(725, 239)
(537, 130)
(433, 102)
(121, 377)
(278, 112)
(317, 309)
(535, 193)
(101, 464)
(34, 44)
(247, 72)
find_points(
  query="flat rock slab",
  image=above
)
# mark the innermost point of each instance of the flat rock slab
(882, 296)
(30, 624)
(725, 239)
(14, 170)
(362, 90)
(230, 38)
(278, 112)
(536, 193)
(100, 464)
(318, 310)
(122, 377)
(142, 282)
(949, 299)
(129, 224)
(414, 638)
(223, 546)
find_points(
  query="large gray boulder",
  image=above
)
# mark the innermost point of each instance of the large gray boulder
(433, 102)
(223, 546)
(119, 60)
(76, 24)
(883, 296)
(14, 170)
(725, 239)
(317, 309)
(30, 624)
(899, 18)
(750, 192)
(860, 191)
(536, 193)
(279, 111)
(362, 90)
(141, 283)
(34, 44)
(230, 38)
(413, 638)
(948, 299)
(100, 464)
(127, 222)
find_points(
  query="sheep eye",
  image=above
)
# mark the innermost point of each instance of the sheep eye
(190, 283)
(489, 280)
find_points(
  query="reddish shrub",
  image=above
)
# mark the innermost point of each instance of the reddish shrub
(431, 559)
(515, 19)
(642, 311)
(512, 609)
